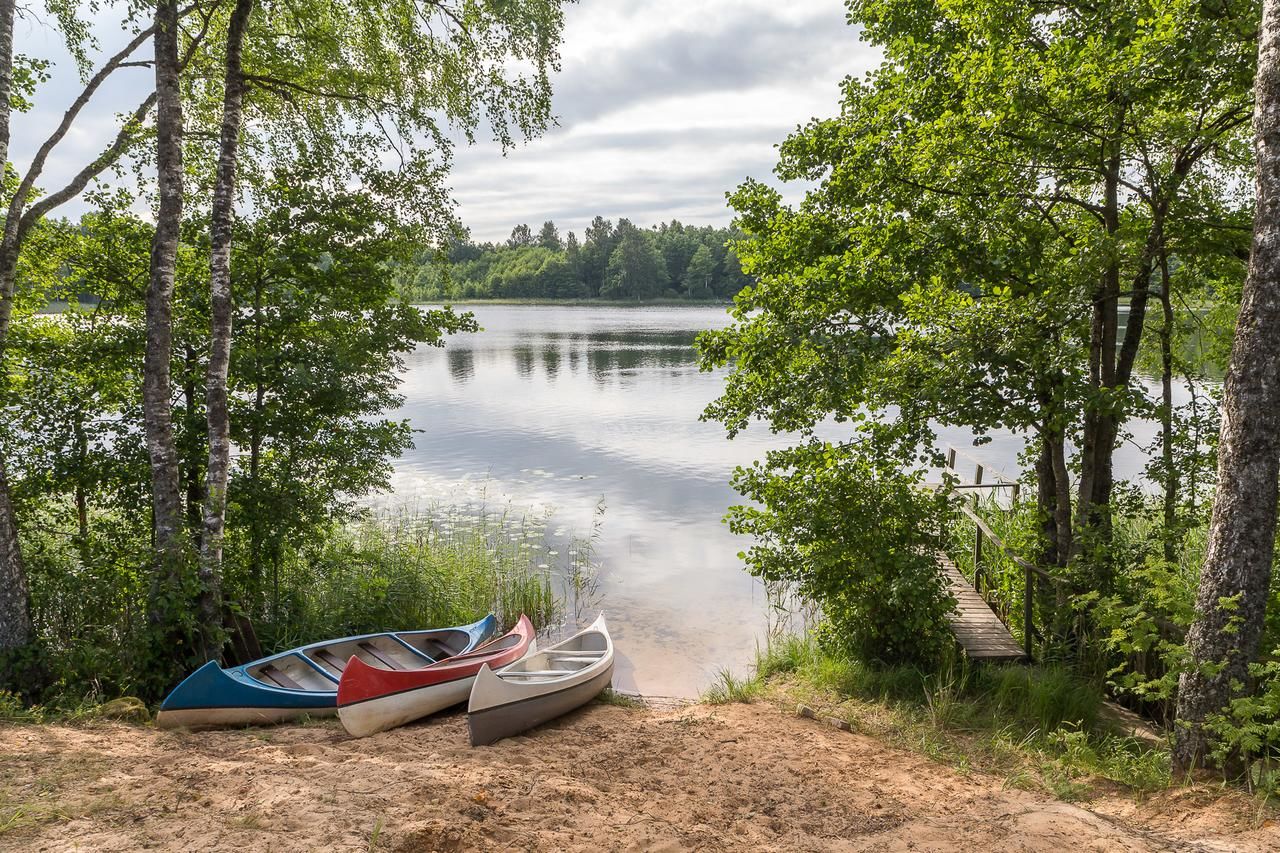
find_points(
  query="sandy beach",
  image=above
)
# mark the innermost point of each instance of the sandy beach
(736, 777)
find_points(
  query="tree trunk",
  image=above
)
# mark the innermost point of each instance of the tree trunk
(166, 496)
(1047, 500)
(16, 630)
(1172, 482)
(255, 440)
(1231, 601)
(8, 11)
(15, 620)
(191, 465)
(1100, 420)
(220, 228)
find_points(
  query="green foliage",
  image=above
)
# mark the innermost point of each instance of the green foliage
(1247, 733)
(14, 710)
(1039, 725)
(1126, 760)
(852, 532)
(957, 262)
(411, 570)
(1047, 698)
(318, 349)
(351, 114)
(699, 274)
(636, 268)
(619, 700)
(622, 263)
(438, 568)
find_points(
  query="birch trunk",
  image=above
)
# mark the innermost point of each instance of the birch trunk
(222, 308)
(16, 630)
(1231, 600)
(1172, 482)
(166, 494)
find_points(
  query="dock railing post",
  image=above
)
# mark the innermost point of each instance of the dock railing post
(1028, 611)
(977, 559)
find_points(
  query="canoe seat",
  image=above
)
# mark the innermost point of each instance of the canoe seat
(329, 659)
(388, 661)
(592, 654)
(538, 673)
(435, 649)
(566, 659)
(279, 678)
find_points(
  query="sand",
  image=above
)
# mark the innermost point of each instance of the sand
(737, 777)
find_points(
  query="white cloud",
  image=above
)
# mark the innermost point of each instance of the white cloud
(663, 108)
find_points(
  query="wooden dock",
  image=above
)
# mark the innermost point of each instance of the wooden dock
(976, 626)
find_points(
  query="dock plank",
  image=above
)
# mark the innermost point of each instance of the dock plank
(975, 625)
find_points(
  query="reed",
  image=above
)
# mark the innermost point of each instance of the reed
(402, 569)
(412, 568)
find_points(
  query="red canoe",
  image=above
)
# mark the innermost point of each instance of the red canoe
(373, 699)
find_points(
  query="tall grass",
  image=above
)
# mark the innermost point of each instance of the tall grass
(728, 688)
(413, 569)
(399, 570)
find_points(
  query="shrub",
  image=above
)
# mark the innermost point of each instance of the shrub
(853, 533)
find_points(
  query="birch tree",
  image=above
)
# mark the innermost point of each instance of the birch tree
(358, 85)
(166, 495)
(221, 311)
(23, 208)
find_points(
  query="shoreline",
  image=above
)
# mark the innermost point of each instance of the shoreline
(728, 777)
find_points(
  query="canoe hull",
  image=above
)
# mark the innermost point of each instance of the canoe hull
(207, 718)
(492, 724)
(388, 712)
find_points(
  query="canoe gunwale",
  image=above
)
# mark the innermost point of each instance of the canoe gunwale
(500, 708)
(500, 651)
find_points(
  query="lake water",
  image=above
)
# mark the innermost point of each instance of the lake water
(561, 408)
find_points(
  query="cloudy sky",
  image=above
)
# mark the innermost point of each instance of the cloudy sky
(662, 107)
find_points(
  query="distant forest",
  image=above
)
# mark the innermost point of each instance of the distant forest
(622, 262)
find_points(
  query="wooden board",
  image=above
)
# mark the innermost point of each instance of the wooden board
(977, 628)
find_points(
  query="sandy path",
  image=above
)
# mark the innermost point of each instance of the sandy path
(606, 778)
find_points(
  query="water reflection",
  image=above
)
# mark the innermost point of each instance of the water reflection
(551, 361)
(462, 363)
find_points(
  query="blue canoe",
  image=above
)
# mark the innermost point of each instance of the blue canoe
(304, 681)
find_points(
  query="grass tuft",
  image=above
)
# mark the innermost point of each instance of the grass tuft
(728, 688)
(620, 700)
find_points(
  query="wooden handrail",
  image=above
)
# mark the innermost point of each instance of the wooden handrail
(1029, 569)
(991, 534)
(960, 487)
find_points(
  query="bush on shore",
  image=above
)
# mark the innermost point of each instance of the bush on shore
(407, 570)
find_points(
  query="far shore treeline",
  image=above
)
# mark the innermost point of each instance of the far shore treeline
(613, 262)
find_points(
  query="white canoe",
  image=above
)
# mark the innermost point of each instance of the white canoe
(542, 686)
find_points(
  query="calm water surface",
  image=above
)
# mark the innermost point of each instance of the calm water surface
(560, 408)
